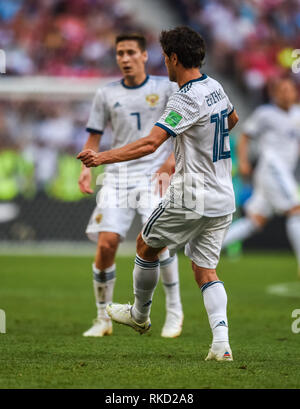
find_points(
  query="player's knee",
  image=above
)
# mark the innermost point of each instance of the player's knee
(139, 241)
(106, 248)
(204, 275)
(144, 251)
(107, 244)
(140, 246)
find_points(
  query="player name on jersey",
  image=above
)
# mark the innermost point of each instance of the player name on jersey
(214, 97)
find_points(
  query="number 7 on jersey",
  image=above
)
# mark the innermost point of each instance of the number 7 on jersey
(138, 117)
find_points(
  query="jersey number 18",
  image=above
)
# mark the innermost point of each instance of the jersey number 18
(221, 132)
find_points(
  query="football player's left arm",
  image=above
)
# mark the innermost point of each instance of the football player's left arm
(168, 166)
(141, 147)
(163, 175)
(232, 119)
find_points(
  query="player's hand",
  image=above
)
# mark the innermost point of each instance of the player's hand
(90, 158)
(84, 181)
(245, 169)
(163, 177)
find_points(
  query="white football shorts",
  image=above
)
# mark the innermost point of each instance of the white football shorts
(116, 209)
(275, 190)
(176, 228)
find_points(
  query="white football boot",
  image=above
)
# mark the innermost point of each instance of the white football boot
(121, 313)
(101, 326)
(173, 324)
(220, 351)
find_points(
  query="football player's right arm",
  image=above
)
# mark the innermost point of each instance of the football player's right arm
(245, 167)
(85, 177)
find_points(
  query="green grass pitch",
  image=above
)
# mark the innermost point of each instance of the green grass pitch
(49, 303)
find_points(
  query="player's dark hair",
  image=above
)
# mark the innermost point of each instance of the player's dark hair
(139, 38)
(186, 43)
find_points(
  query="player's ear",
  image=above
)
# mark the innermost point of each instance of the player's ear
(174, 58)
(145, 55)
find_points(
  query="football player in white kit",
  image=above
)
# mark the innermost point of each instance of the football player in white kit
(276, 128)
(131, 106)
(197, 119)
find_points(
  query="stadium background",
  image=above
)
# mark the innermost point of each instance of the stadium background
(58, 52)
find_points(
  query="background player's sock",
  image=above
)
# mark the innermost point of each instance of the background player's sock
(293, 232)
(145, 279)
(240, 230)
(215, 302)
(104, 282)
(170, 279)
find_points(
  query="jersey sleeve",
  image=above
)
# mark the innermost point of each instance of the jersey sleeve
(99, 114)
(230, 107)
(181, 113)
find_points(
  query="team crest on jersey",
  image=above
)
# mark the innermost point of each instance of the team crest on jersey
(152, 99)
(98, 218)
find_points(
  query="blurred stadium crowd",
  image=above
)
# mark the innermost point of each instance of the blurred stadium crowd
(250, 40)
(62, 37)
(36, 134)
(55, 38)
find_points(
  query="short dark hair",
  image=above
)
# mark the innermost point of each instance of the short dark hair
(186, 43)
(139, 38)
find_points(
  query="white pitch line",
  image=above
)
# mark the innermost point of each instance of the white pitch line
(291, 289)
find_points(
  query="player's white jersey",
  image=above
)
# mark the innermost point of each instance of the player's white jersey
(132, 112)
(277, 133)
(196, 117)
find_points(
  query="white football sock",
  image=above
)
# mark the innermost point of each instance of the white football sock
(170, 279)
(145, 279)
(293, 232)
(104, 282)
(215, 302)
(240, 230)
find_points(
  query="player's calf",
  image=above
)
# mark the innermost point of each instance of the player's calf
(215, 302)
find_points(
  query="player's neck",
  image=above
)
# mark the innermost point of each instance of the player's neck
(285, 107)
(135, 81)
(185, 76)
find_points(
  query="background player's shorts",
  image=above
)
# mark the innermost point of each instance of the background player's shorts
(275, 190)
(116, 210)
(175, 228)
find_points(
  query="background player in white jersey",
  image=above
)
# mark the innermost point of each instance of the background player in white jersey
(198, 118)
(131, 106)
(276, 129)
